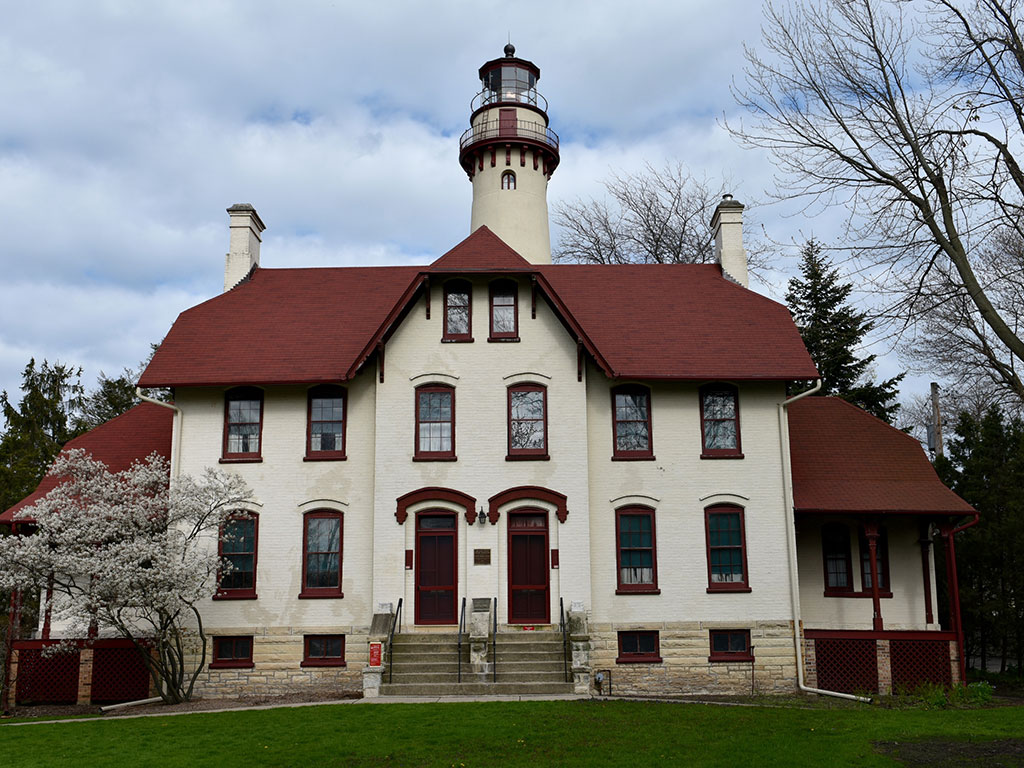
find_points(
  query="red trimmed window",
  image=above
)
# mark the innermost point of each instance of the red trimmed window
(508, 180)
(326, 423)
(881, 560)
(835, 550)
(727, 550)
(435, 422)
(504, 311)
(321, 554)
(458, 311)
(730, 645)
(236, 546)
(232, 652)
(641, 647)
(635, 552)
(323, 651)
(527, 422)
(720, 422)
(631, 423)
(243, 423)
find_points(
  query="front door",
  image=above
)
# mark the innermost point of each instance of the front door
(528, 585)
(507, 122)
(436, 569)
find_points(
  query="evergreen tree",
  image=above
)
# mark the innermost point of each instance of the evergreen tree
(110, 398)
(832, 330)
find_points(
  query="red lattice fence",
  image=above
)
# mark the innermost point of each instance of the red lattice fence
(848, 666)
(46, 679)
(919, 661)
(118, 675)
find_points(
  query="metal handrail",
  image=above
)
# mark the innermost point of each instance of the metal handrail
(462, 627)
(564, 626)
(528, 96)
(497, 129)
(395, 622)
(494, 643)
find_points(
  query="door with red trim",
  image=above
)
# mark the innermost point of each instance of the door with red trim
(528, 575)
(507, 122)
(436, 568)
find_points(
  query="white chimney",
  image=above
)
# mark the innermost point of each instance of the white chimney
(727, 225)
(244, 249)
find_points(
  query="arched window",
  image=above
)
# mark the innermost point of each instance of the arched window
(527, 422)
(508, 180)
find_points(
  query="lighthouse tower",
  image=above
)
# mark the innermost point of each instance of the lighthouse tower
(509, 153)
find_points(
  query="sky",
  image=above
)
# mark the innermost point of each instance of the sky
(127, 129)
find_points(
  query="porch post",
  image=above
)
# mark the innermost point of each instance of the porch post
(871, 534)
(12, 633)
(954, 594)
(926, 573)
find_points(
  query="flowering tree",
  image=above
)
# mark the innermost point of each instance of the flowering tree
(130, 553)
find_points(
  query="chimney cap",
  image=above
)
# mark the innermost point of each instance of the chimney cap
(729, 202)
(250, 209)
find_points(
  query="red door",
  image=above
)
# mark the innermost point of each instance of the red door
(528, 584)
(506, 122)
(435, 568)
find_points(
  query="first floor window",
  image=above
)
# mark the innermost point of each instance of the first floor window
(326, 415)
(636, 554)
(835, 548)
(639, 647)
(631, 422)
(321, 560)
(323, 651)
(527, 421)
(243, 422)
(237, 549)
(881, 561)
(231, 652)
(730, 645)
(720, 421)
(435, 422)
(727, 557)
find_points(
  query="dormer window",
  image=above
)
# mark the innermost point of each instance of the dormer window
(458, 311)
(504, 311)
(508, 180)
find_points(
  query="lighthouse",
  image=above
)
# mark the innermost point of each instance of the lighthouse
(509, 153)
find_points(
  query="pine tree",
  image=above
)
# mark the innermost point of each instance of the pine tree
(832, 331)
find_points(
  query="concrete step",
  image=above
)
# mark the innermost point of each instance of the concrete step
(427, 637)
(474, 689)
(530, 676)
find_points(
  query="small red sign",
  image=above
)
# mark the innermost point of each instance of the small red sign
(375, 651)
(528, 629)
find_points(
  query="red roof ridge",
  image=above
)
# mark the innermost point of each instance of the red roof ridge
(482, 251)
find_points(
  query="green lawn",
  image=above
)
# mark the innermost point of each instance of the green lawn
(529, 733)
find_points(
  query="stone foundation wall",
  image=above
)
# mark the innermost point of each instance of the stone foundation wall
(277, 657)
(685, 669)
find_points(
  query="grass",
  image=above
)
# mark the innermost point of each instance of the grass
(531, 734)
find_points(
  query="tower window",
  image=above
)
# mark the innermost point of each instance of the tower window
(508, 180)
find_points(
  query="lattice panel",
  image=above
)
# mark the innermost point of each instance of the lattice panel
(848, 666)
(46, 680)
(919, 661)
(118, 674)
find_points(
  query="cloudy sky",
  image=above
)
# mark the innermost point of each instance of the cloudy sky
(127, 128)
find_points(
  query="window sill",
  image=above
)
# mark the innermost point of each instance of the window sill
(435, 458)
(737, 658)
(638, 660)
(247, 595)
(320, 595)
(650, 457)
(336, 457)
(721, 455)
(323, 663)
(644, 591)
(454, 340)
(506, 339)
(730, 588)
(881, 593)
(231, 665)
(527, 457)
(240, 460)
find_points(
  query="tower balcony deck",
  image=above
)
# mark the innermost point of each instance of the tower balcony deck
(488, 97)
(495, 130)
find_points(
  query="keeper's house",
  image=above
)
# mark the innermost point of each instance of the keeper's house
(464, 459)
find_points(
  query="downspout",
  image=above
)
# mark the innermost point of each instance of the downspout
(794, 582)
(175, 435)
(955, 608)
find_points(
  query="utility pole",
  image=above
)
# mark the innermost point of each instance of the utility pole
(936, 420)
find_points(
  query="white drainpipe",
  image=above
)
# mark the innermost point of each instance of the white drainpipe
(794, 578)
(175, 435)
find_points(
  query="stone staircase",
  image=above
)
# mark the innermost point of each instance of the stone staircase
(427, 665)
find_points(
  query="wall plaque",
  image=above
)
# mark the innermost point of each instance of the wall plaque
(481, 557)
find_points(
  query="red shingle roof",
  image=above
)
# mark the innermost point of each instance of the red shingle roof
(846, 460)
(134, 435)
(292, 326)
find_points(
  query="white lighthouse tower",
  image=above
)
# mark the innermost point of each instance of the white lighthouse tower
(510, 153)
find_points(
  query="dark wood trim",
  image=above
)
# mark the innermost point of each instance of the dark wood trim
(322, 661)
(728, 586)
(419, 533)
(870, 634)
(322, 592)
(458, 286)
(554, 559)
(422, 455)
(533, 297)
(619, 455)
(736, 657)
(520, 454)
(326, 391)
(234, 661)
(426, 294)
(501, 287)
(639, 658)
(729, 456)
(833, 591)
(434, 493)
(238, 394)
(247, 593)
(720, 386)
(512, 531)
(636, 510)
(926, 572)
(884, 594)
(521, 492)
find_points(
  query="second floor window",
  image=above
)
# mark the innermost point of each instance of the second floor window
(631, 422)
(527, 421)
(720, 421)
(458, 311)
(237, 549)
(326, 423)
(243, 423)
(504, 314)
(435, 422)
